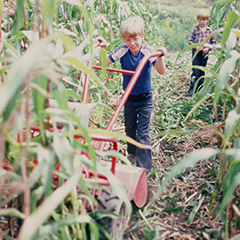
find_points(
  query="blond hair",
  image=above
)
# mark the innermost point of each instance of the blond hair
(132, 27)
(203, 14)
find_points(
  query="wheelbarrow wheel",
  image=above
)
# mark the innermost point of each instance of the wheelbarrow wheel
(114, 225)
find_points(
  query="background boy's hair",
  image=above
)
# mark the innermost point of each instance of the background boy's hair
(203, 14)
(132, 27)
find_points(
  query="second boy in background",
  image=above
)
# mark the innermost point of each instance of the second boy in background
(198, 34)
(138, 107)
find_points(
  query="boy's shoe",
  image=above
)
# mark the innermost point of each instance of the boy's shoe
(188, 94)
(131, 158)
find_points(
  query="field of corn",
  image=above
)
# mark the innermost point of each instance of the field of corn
(194, 185)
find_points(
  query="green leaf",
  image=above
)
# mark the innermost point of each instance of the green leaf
(236, 237)
(74, 2)
(230, 22)
(47, 178)
(38, 98)
(47, 7)
(36, 194)
(6, 237)
(135, 6)
(12, 212)
(64, 151)
(72, 94)
(196, 106)
(227, 68)
(103, 56)
(40, 215)
(149, 234)
(70, 81)
(195, 210)
(79, 65)
(115, 135)
(114, 44)
(230, 193)
(153, 234)
(12, 176)
(20, 69)
(172, 209)
(188, 161)
(232, 172)
(11, 105)
(230, 125)
(231, 42)
(55, 226)
(20, 14)
(113, 153)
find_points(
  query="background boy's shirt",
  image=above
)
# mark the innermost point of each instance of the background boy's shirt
(130, 62)
(197, 36)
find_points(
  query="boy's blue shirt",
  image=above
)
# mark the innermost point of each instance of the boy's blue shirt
(130, 62)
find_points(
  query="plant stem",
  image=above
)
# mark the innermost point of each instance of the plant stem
(145, 220)
(26, 193)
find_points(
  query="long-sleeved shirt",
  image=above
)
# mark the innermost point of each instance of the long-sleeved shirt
(198, 36)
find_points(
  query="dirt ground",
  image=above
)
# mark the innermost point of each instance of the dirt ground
(182, 211)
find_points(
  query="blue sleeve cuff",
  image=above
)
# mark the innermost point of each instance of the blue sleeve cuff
(110, 57)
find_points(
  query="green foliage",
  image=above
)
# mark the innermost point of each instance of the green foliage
(174, 36)
(54, 41)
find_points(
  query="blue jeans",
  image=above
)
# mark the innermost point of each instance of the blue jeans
(137, 113)
(200, 60)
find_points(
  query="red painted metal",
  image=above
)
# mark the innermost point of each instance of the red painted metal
(86, 86)
(115, 70)
(134, 180)
(94, 137)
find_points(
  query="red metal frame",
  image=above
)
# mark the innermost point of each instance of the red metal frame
(102, 138)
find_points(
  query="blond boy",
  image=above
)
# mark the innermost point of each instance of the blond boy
(138, 108)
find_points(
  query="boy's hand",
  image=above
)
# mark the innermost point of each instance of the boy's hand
(101, 42)
(205, 50)
(163, 50)
(199, 48)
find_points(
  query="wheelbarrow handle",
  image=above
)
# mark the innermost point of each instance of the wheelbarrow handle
(161, 53)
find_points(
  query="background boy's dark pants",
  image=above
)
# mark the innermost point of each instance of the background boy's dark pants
(137, 113)
(200, 60)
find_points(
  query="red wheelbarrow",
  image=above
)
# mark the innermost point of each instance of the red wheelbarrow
(133, 178)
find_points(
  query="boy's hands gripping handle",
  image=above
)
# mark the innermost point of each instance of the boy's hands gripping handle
(162, 50)
(101, 42)
(161, 54)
